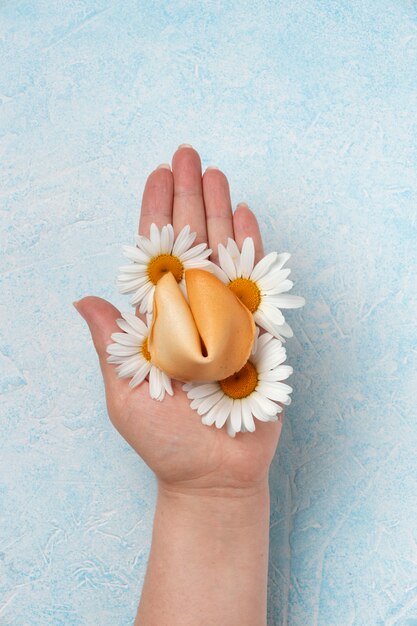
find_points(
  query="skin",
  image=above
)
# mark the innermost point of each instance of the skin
(209, 555)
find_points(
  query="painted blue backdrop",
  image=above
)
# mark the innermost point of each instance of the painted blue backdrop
(309, 107)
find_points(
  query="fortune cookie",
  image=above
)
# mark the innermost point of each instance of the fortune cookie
(208, 338)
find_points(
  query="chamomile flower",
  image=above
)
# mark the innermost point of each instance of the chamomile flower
(154, 257)
(253, 392)
(130, 352)
(262, 287)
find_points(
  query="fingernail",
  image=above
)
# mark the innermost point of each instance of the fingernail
(184, 145)
(242, 204)
(212, 167)
(164, 166)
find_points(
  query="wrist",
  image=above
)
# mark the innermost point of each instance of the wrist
(209, 557)
(226, 507)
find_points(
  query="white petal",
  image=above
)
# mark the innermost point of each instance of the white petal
(166, 382)
(200, 391)
(285, 330)
(130, 366)
(125, 362)
(125, 339)
(171, 235)
(282, 372)
(272, 348)
(211, 415)
(166, 241)
(234, 252)
(131, 281)
(198, 262)
(140, 375)
(156, 389)
(141, 292)
(116, 359)
(264, 340)
(267, 406)
(136, 323)
(232, 248)
(270, 387)
(272, 313)
(146, 305)
(273, 391)
(247, 257)
(131, 286)
(134, 281)
(272, 280)
(256, 409)
(218, 272)
(284, 286)
(135, 254)
(204, 405)
(126, 327)
(128, 287)
(287, 301)
(247, 417)
(226, 262)
(270, 361)
(118, 350)
(184, 240)
(223, 411)
(265, 323)
(156, 239)
(147, 246)
(137, 269)
(230, 430)
(270, 357)
(236, 415)
(263, 266)
(199, 251)
(281, 260)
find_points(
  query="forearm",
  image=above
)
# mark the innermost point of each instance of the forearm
(208, 563)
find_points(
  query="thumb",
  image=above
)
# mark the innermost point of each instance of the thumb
(101, 318)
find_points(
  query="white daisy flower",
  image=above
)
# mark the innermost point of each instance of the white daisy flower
(252, 392)
(154, 257)
(262, 287)
(130, 351)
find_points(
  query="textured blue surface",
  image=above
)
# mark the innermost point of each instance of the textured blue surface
(310, 109)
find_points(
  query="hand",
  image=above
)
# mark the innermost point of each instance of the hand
(184, 454)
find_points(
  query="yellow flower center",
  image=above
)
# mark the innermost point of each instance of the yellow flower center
(247, 291)
(242, 383)
(163, 263)
(145, 350)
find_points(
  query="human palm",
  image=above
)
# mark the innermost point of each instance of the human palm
(168, 435)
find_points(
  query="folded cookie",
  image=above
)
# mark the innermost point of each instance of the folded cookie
(210, 337)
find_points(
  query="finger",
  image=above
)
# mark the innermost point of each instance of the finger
(157, 199)
(188, 193)
(246, 225)
(157, 203)
(101, 318)
(218, 205)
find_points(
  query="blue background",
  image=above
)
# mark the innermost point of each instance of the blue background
(309, 107)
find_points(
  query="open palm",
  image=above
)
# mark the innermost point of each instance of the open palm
(168, 435)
